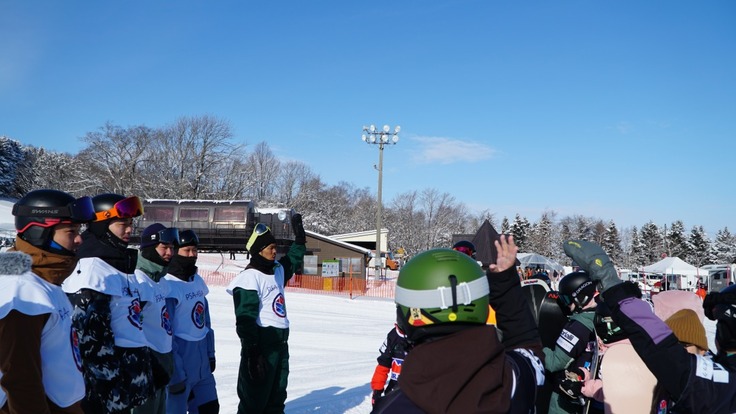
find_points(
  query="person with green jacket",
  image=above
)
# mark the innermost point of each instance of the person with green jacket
(261, 320)
(156, 251)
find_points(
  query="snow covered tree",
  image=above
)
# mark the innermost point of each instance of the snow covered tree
(698, 247)
(541, 237)
(651, 241)
(11, 156)
(520, 229)
(505, 226)
(637, 255)
(676, 241)
(611, 243)
(724, 247)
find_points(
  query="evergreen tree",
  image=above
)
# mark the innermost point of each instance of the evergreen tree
(11, 157)
(611, 243)
(676, 241)
(505, 226)
(651, 241)
(520, 230)
(698, 246)
(724, 247)
(636, 253)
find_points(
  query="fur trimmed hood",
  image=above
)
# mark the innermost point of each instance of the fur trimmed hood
(14, 263)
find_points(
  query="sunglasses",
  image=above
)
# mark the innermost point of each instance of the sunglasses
(258, 231)
(187, 238)
(126, 208)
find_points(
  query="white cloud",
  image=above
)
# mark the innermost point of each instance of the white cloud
(448, 151)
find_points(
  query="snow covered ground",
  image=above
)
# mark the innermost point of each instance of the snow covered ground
(334, 343)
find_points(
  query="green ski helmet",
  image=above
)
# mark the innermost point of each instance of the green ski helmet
(439, 292)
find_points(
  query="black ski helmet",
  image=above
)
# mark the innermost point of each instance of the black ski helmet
(605, 327)
(725, 315)
(109, 207)
(39, 211)
(577, 288)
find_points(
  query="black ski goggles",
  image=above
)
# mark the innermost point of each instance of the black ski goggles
(187, 238)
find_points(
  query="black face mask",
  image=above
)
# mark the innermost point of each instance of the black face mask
(150, 253)
(183, 267)
(261, 264)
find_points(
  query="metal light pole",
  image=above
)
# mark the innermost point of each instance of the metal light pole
(373, 136)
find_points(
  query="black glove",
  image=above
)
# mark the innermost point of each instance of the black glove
(717, 298)
(177, 388)
(160, 376)
(213, 364)
(256, 365)
(375, 397)
(300, 237)
(591, 258)
(572, 385)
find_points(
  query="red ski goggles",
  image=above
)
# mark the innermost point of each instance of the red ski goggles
(465, 250)
(126, 208)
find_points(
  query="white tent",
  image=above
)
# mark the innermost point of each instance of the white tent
(674, 266)
(534, 260)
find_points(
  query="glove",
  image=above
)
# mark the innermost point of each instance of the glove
(300, 237)
(376, 396)
(591, 258)
(717, 298)
(177, 388)
(256, 365)
(213, 364)
(572, 385)
(160, 377)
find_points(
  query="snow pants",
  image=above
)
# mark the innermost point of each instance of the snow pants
(267, 396)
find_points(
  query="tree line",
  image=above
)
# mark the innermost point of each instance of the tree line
(198, 157)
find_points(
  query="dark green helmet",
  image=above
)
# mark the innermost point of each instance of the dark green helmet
(440, 291)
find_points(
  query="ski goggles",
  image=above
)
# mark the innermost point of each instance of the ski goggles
(258, 231)
(187, 238)
(166, 236)
(126, 208)
(566, 299)
(80, 210)
(463, 249)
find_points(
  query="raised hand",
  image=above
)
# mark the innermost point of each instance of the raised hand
(506, 257)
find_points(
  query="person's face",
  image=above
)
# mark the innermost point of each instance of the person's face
(269, 252)
(67, 236)
(188, 251)
(122, 228)
(165, 250)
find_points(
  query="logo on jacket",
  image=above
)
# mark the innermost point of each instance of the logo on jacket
(198, 315)
(74, 338)
(279, 306)
(134, 313)
(166, 320)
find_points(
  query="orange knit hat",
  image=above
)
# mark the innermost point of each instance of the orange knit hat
(688, 328)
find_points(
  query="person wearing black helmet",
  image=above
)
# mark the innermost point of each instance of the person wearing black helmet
(116, 360)
(575, 347)
(192, 387)
(38, 369)
(695, 383)
(460, 364)
(156, 250)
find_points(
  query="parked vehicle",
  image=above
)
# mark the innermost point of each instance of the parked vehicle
(221, 225)
(387, 260)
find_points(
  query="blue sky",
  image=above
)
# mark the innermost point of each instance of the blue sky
(622, 110)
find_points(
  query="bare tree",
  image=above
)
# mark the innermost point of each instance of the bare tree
(114, 156)
(263, 166)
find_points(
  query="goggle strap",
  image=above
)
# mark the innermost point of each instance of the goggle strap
(442, 296)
